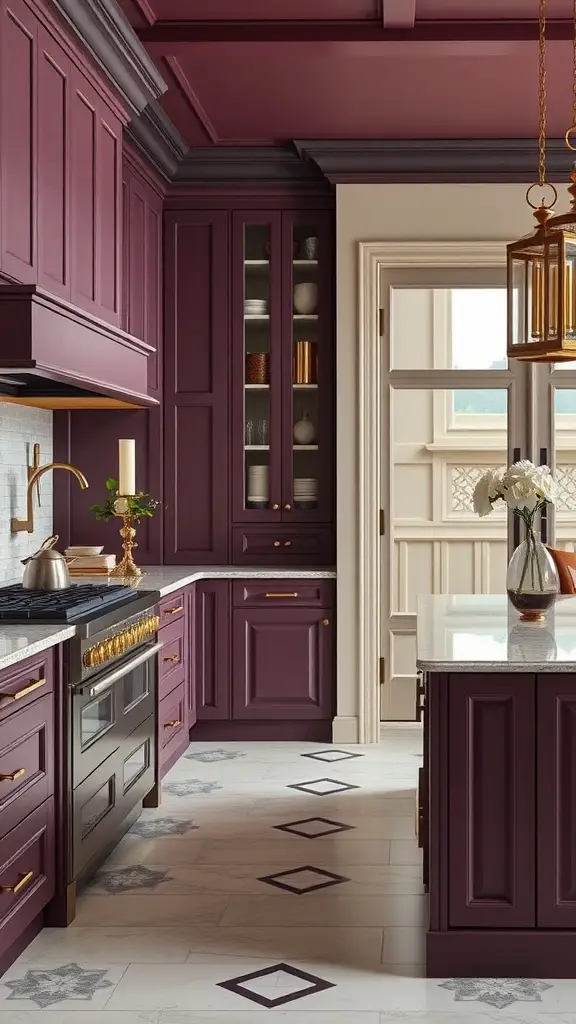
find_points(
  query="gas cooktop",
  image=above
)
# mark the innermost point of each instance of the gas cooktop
(78, 603)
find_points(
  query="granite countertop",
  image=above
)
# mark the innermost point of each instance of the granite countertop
(18, 642)
(483, 633)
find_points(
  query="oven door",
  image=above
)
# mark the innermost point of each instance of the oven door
(110, 707)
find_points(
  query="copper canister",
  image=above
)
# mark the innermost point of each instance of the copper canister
(305, 362)
(257, 368)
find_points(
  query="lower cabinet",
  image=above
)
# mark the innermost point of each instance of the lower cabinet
(263, 659)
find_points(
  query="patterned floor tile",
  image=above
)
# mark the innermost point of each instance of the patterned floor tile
(314, 828)
(497, 992)
(331, 755)
(323, 787)
(277, 985)
(304, 880)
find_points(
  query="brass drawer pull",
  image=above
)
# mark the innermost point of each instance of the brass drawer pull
(172, 725)
(34, 684)
(12, 776)
(171, 657)
(295, 594)
(19, 885)
(174, 611)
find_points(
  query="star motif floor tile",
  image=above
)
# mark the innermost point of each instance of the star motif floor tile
(332, 755)
(314, 828)
(260, 985)
(304, 879)
(323, 787)
(46, 987)
(154, 828)
(134, 876)
(208, 756)
(189, 786)
(497, 992)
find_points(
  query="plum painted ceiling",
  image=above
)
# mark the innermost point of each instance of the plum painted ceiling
(262, 72)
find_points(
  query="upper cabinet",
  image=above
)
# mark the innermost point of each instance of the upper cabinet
(282, 401)
(60, 168)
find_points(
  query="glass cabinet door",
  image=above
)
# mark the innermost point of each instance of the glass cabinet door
(257, 366)
(307, 368)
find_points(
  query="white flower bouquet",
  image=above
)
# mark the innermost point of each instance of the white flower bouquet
(532, 579)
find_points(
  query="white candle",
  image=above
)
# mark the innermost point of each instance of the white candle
(127, 466)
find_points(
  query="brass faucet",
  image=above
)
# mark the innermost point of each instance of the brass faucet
(17, 525)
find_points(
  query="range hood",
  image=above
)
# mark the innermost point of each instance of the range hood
(56, 356)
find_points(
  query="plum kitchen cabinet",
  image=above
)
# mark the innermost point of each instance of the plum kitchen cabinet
(501, 820)
(211, 646)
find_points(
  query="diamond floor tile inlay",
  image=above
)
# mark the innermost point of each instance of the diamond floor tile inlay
(314, 828)
(260, 985)
(322, 787)
(46, 987)
(304, 879)
(497, 992)
(331, 756)
(153, 828)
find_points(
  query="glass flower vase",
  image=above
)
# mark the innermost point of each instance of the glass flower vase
(532, 579)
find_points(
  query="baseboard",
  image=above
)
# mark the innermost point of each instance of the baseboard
(345, 729)
(313, 732)
(482, 953)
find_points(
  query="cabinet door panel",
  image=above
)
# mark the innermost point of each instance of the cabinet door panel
(53, 222)
(18, 97)
(556, 859)
(491, 794)
(211, 647)
(282, 664)
(108, 229)
(83, 120)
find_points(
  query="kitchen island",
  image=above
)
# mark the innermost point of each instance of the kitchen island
(497, 797)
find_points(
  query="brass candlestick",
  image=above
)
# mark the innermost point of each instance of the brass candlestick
(127, 567)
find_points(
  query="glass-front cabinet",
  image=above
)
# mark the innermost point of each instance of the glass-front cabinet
(283, 446)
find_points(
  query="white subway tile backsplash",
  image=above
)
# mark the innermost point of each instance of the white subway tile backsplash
(21, 427)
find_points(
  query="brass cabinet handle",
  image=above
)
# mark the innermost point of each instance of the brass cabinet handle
(287, 507)
(287, 543)
(34, 684)
(172, 725)
(276, 543)
(295, 594)
(171, 657)
(275, 507)
(19, 885)
(174, 611)
(325, 622)
(12, 776)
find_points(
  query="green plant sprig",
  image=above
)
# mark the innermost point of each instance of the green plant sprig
(138, 505)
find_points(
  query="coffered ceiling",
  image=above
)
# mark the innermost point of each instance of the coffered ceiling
(262, 72)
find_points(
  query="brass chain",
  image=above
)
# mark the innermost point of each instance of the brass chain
(542, 91)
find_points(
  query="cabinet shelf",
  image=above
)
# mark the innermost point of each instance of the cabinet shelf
(257, 387)
(305, 316)
(258, 316)
(256, 447)
(305, 263)
(266, 263)
(305, 447)
(305, 387)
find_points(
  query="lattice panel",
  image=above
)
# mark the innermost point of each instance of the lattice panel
(566, 480)
(464, 480)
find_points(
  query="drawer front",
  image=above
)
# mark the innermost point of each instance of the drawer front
(283, 545)
(172, 657)
(172, 724)
(23, 683)
(27, 872)
(26, 762)
(275, 593)
(172, 608)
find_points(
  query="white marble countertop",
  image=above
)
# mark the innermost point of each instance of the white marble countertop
(483, 633)
(18, 642)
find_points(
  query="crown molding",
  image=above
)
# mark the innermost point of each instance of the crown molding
(433, 160)
(157, 138)
(210, 165)
(107, 35)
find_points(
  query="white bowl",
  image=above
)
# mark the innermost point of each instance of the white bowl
(84, 551)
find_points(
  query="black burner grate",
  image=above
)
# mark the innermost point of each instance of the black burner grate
(18, 604)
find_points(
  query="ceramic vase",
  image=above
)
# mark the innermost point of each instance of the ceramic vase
(306, 298)
(304, 430)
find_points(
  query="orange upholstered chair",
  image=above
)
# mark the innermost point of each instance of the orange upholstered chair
(566, 565)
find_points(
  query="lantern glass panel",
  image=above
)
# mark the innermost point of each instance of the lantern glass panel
(570, 290)
(552, 301)
(517, 299)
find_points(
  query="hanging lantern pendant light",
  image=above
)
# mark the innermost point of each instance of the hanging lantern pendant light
(536, 264)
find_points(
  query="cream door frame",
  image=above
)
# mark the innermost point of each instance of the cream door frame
(373, 258)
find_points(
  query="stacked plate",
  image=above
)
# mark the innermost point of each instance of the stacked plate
(257, 488)
(255, 307)
(305, 492)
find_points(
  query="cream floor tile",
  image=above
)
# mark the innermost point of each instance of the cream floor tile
(34, 982)
(339, 946)
(404, 945)
(332, 852)
(256, 826)
(326, 909)
(166, 850)
(405, 851)
(133, 910)
(76, 1017)
(288, 1017)
(151, 944)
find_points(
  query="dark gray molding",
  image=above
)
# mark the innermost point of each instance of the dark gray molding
(434, 160)
(210, 165)
(154, 134)
(105, 32)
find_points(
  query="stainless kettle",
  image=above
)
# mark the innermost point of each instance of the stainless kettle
(46, 569)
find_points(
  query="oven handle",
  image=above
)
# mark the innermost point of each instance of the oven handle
(120, 671)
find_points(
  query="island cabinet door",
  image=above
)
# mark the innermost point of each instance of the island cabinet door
(282, 664)
(210, 644)
(491, 800)
(556, 800)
